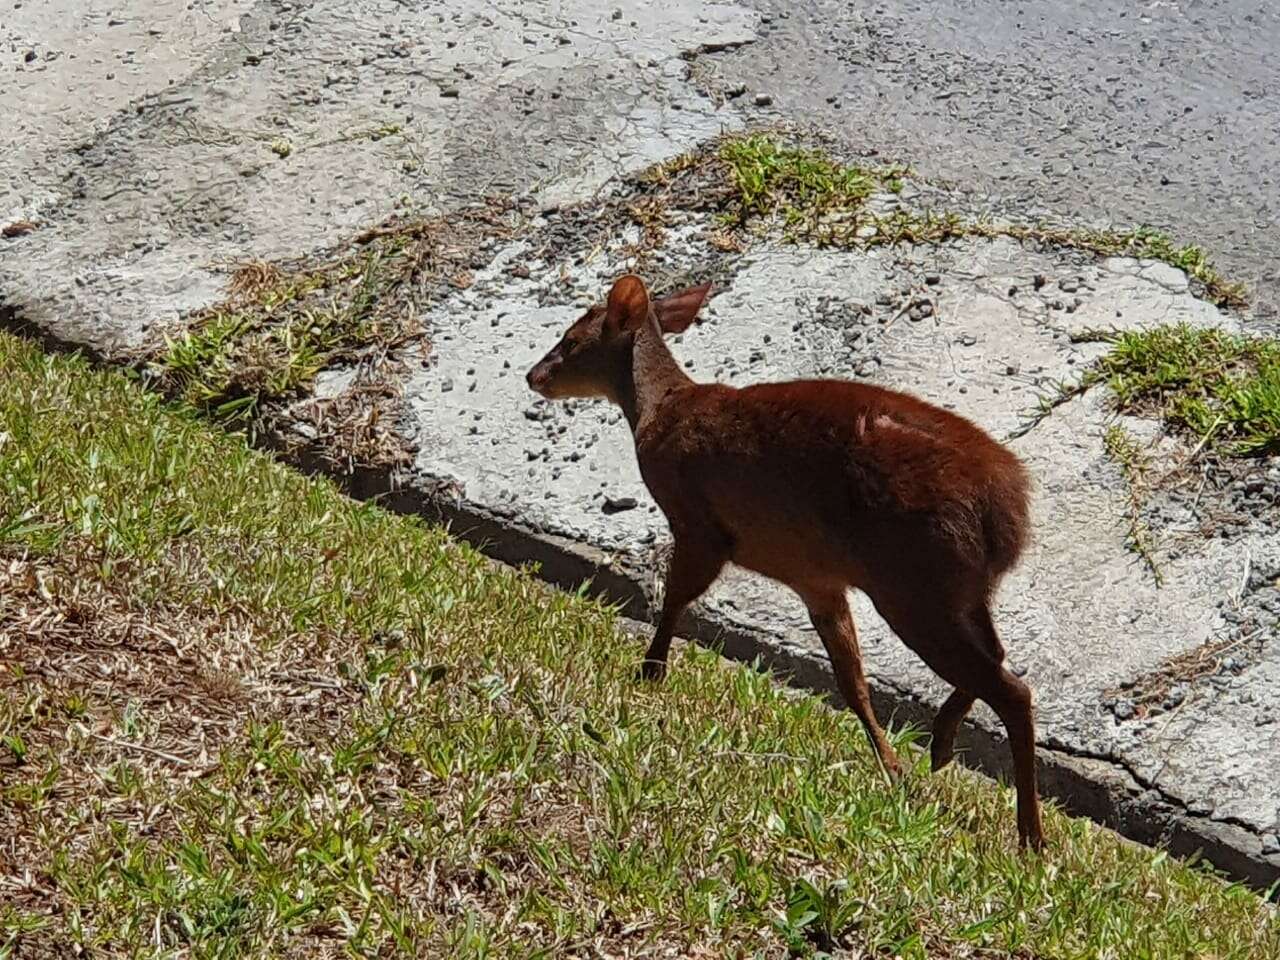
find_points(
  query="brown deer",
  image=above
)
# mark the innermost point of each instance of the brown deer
(823, 485)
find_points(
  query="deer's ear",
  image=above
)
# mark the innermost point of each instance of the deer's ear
(628, 305)
(678, 310)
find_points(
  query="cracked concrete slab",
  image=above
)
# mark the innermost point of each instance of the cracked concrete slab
(278, 129)
(297, 123)
(68, 70)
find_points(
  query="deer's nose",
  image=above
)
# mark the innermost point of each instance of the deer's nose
(538, 377)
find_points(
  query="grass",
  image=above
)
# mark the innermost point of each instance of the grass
(820, 200)
(275, 334)
(282, 324)
(1220, 389)
(1135, 463)
(241, 715)
(803, 184)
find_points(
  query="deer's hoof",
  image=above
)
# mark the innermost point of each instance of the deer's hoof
(940, 755)
(652, 671)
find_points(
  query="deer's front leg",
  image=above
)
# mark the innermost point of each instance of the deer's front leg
(695, 564)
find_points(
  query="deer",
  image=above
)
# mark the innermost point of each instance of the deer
(824, 486)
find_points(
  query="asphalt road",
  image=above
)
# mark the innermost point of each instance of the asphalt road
(1165, 113)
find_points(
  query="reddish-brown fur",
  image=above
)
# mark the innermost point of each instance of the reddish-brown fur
(823, 485)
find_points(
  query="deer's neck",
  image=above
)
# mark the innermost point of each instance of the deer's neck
(653, 376)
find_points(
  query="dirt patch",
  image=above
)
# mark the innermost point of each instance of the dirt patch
(107, 693)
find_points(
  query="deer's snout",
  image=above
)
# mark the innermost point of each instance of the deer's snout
(539, 378)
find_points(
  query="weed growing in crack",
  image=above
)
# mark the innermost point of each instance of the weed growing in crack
(822, 201)
(1141, 242)
(282, 324)
(1150, 693)
(276, 336)
(1135, 464)
(802, 184)
(1060, 392)
(1144, 243)
(1221, 391)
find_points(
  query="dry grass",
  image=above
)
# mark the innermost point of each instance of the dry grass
(356, 428)
(282, 324)
(1150, 692)
(1134, 462)
(106, 689)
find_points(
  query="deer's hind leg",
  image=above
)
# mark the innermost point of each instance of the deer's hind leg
(942, 745)
(960, 644)
(956, 707)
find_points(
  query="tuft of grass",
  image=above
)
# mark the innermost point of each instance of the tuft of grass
(1221, 389)
(664, 171)
(803, 184)
(277, 332)
(382, 132)
(1135, 464)
(258, 719)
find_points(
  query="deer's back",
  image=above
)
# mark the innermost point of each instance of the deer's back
(843, 472)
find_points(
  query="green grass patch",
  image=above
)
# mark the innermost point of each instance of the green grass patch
(279, 329)
(1220, 391)
(1219, 388)
(281, 324)
(823, 201)
(770, 176)
(243, 716)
